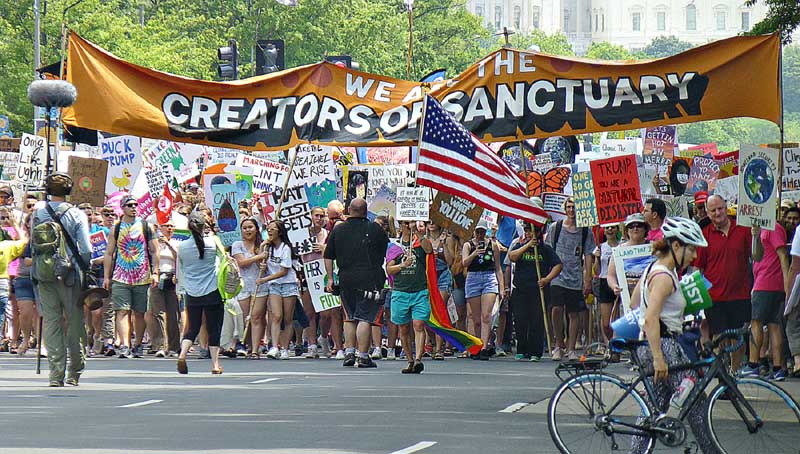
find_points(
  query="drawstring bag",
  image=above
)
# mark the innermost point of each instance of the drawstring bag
(229, 280)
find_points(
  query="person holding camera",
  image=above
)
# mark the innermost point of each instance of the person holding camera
(410, 298)
(359, 247)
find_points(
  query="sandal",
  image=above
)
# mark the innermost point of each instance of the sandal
(254, 356)
(464, 354)
(448, 351)
(216, 371)
(438, 356)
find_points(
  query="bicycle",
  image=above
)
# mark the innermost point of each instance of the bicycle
(593, 411)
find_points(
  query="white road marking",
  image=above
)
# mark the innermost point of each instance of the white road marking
(141, 404)
(513, 408)
(417, 447)
(263, 380)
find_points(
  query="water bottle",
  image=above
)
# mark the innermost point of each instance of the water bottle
(686, 386)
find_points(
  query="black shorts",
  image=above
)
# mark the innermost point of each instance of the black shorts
(571, 300)
(602, 292)
(728, 315)
(768, 306)
(357, 308)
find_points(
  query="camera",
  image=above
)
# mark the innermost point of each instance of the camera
(376, 296)
(336, 290)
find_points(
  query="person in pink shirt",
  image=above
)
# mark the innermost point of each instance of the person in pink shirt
(770, 268)
(655, 210)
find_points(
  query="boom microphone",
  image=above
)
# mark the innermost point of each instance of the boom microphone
(51, 93)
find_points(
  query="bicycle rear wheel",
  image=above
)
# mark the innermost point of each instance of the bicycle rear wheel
(576, 406)
(775, 409)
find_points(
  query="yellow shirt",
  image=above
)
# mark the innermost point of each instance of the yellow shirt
(10, 250)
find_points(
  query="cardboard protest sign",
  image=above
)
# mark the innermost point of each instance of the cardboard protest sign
(387, 155)
(703, 176)
(392, 177)
(728, 164)
(99, 243)
(267, 175)
(295, 213)
(317, 279)
(32, 160)
(615, 147)
(413, 204)
(221, 155)
(226, 212)
(9, 145)
(676, 205)
(458, 215)
(631, 262)
(790, 180)
(728, 189)
(554, 205)
(8, 165)
(312, 164)
(616, 188)
(88, 180)
(660, 141)
(583, 194)
(124, 157)
(758, 190)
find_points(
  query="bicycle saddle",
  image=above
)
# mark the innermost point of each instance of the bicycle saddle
(619, 344)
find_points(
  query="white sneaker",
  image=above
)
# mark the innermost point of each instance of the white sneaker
(312, 352)
(326, 347)
(499, 352)
(391, 355)
(376, 353)
(273, 353)
(340, 355)
(572, 356)
(556, 354)
(284, 354)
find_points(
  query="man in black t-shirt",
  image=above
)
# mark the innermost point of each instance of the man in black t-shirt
(359, 248)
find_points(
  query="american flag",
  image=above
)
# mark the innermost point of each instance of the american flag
(453, 160)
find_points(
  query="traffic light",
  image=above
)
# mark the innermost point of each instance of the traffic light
(269, 56)
(228, 68)
(345, 61)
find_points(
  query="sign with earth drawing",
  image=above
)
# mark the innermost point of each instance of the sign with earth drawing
(758, 190)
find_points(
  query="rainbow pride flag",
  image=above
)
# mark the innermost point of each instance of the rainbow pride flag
(439, 320)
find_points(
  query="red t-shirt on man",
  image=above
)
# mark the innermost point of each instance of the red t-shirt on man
(726, 262)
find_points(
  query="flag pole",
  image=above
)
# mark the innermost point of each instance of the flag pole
(535, 250)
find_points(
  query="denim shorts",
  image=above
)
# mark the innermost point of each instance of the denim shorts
(480, 283)
(445, 280)
(408, 306)
(23, 287)
(284, 290)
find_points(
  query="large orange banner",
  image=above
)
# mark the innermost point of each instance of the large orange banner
(508, 95)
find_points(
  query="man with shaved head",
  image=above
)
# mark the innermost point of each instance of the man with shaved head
(359, 248)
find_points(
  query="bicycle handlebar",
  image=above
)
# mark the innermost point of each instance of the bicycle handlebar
(737, 334)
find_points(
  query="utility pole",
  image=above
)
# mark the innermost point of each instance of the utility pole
(37, 57)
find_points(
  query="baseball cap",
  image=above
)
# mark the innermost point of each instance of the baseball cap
(786, 203)
(634, 218)
(700, 197)
(126, 199)
(6, 189)
(482, 224)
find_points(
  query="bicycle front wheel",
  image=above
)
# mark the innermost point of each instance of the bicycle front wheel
(581, 419)
(776, 419)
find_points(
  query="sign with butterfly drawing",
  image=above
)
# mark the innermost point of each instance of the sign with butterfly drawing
(552, 180)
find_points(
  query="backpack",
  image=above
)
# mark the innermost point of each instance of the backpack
(229, 280)
(49, 250)
(148, 235)
(557, 233)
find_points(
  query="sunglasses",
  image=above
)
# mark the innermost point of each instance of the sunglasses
(131, 205)
(4, 218)
(30, 205)
(636, 226)
(109, 214)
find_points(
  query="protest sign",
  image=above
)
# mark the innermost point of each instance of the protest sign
(631, 262)
(181, 234)
(660, 141)
(706, 149)
(8, 165)
(9, 145)
(274, 156)
(583, 193)
(703, 176)
(220, 155)
(145, 208)
(295, 213)
(790, 180)
(728, 189)
(88, 180)
(32, 160)
(226, 212)
(542, 162)
(554, 205)
(616, 188)
(618, 146)
(98, 241)
(679, 175)
(413, 204)
(489, 216)
(317, 278)
(458, 215)
(728, 164)
(382, 203)
(387, 155)
(647, 175)
(758, 179)
(124, 157)
(267, 175)
(312, 164)
(392, 177)
(676, 205)
(176, 160)
(155, 181)
(213, 179)
(355, 183)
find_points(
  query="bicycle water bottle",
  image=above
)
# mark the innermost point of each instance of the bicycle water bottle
(686, 386)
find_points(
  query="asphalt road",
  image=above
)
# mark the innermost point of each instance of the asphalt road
(267, 406)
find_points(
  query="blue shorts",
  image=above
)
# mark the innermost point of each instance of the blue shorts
(480, 283)
(23, 288)
(284, 290)
(407, 306)
(445, 280)
(387, 302)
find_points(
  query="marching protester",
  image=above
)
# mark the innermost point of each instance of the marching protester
(249, 254)
(60, 286)
(318, 236)
(358, 247)
(605, 296)
(444, 260)
(636, 233)
(165, 333)
(574, 247)
(131, 268)
(197, 278)
(655, 211)
(23, 288)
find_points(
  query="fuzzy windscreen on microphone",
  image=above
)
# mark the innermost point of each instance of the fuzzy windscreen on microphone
(51, 93)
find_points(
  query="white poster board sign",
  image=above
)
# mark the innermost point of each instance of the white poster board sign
(317, 278)
(631, 262)
(413, 204)
(758, 187)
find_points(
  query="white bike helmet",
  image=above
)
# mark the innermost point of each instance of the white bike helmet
(685, 230)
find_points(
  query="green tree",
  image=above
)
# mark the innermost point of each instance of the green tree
(606, 51)
(555, 44)
(782, 16)
(665, 46)
(791, 79)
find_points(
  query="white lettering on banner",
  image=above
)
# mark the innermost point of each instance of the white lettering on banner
(413, 204)
(317, 278)
(32, 159)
